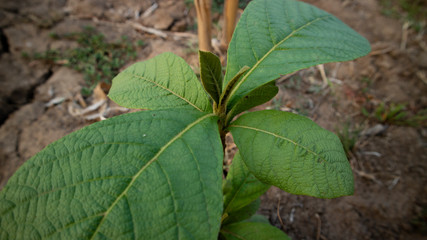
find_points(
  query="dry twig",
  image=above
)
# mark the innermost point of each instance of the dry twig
(405, 29)
(323, 74)
(278, 214)
(153, 31)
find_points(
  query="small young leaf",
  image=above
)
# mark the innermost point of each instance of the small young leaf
(252, 231)
(243, 213)
(256, 97)
(230, 86)
(165, 81)
(145, 175)
(245, 188)
(277, 37)
(211, 74)
(293, 153)
(258, 218)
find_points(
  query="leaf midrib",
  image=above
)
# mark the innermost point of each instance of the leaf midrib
(164, 88)
(272, 50)
(154, 158)
(284, 138)
(215, 80)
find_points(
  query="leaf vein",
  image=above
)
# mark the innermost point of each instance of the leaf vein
(164, 88)
(175, 207)
(201, 182)
(282, 137)
(272, 50)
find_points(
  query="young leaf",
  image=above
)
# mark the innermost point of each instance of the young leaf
(252, 231)
(256, 97)
(165, 81)
(276, 37)
(211, 74)
(258, 218)
(245, 188)
(229, 87)
(293, 153)
(242, 213)
(146, 175)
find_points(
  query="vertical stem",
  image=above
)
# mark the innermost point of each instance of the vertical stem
(204, 24)
(230, 13)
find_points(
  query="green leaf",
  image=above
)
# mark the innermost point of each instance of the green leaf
(252, 231)
(258, 218)
(276, 37)
(293, 153)
(256, 97)
(245, 187)
(165, 81)
(230, 86)
(242, 213)
(146, 175)
(211, 74)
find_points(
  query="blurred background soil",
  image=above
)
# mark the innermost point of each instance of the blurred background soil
(57, 58)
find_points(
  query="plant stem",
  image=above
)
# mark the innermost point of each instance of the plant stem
(230, 12)
(204, 24)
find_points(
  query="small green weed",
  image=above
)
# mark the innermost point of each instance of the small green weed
(366, 84)
(412, 11)
(397, 114)
(348, 137)
(97, 59)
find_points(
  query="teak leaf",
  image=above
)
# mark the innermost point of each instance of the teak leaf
(165, 81)
(256, 97)
(276, 37)
(243, 213)
(211, 74)
(252, 231)
(145, 175)
(245, 187)
(293, 153)
(258, 218)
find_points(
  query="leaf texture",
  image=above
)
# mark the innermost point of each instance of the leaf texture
(256, 97)
(245, 187)
(252, 231)
(276, 37)
(293, 153)
(145, 175)
(165, 81)
(243, 213)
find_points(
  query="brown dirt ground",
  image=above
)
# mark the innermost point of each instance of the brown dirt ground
(390, 165)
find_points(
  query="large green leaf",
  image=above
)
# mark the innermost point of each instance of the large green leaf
(252, 231)
(276, 37)
(146, 175)
(211, 74)
(165, 81)
(245, 187)
(293, 153)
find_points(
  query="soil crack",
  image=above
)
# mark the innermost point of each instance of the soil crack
(5, 48)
